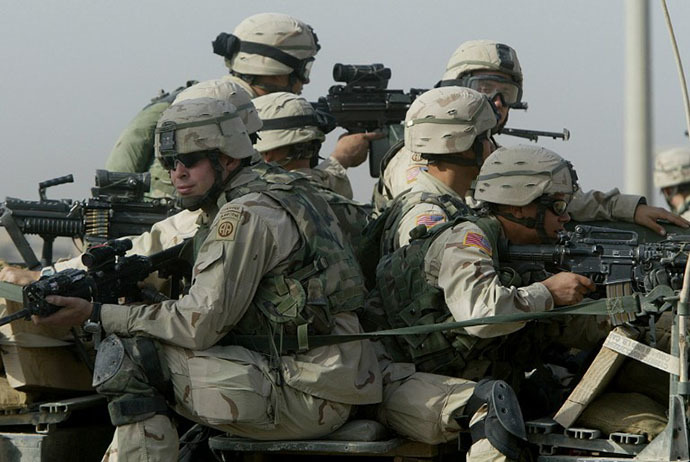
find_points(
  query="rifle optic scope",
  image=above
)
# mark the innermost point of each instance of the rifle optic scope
(100, 254)
(366, 75)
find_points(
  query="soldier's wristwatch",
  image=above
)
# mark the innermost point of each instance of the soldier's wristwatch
(93, 324)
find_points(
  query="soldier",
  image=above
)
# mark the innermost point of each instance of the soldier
(188, 353)
(494, 69)
(452, 273)
(267, 52)
(451, 126)
(672, 177)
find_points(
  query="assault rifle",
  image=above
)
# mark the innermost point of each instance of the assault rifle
(611, 257)
(117, 209)
(533, 135)
(110, 276)
(366, 104)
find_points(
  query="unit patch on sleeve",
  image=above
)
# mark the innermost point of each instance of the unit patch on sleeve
(228, 220)
(479, 241)
(430, 219)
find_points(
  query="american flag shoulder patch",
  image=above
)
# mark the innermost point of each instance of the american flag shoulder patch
(479, 241)
(413, 173)
(430, 219)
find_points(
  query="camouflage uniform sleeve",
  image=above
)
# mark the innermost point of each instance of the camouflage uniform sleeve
(429, 215)
(471, 285)
(597, 205)
(134, 149)
(242, 246)
(334, 177)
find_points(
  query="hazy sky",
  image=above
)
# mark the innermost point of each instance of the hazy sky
(75, 72)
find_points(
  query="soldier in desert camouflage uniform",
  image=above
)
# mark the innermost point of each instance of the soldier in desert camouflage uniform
(672, 177)
(493, 68)
(267, 52)
(254, 242)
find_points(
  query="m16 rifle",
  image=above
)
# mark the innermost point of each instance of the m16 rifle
(110, 275)
(366, 104)
(117, 209)
(615, 259)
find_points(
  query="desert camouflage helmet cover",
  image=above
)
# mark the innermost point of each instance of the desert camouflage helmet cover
(672, 167)
(284, 32)
(281, 105)
(485, 55)
(447, 120)
(518, 175)
(202, 124)
(226, 90)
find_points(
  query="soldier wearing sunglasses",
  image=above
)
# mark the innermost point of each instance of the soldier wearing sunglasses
(216, 355)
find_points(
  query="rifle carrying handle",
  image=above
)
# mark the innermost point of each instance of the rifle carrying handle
(56, 181)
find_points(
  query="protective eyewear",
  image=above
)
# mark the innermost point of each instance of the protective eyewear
(492, 85)
(558, 206)
(170, 161)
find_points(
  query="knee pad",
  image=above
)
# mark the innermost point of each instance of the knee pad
(503, 425)
(129, 372)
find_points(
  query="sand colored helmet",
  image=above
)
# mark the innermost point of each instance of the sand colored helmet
(483, 55)
(518, 175)
(288, 119)
(269, 44)
(202, 125)
(447, 120)
(226, 90)
(672, 167)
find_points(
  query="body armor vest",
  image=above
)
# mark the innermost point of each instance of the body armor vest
(322, 278)
(409, 300)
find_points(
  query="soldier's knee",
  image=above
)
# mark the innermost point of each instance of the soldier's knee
(130, 373)
(495, 415)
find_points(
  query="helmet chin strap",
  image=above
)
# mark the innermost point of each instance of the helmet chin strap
(531, 222)
(210, 197)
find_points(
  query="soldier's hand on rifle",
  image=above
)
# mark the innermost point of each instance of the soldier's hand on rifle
(351, 150)
(20, 276)
(647, 216)
(568, 288)
(75, 312)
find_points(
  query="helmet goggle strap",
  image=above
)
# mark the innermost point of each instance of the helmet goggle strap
(557, 206)
(228, 45)
(323, 121)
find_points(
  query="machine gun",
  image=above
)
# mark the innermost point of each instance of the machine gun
(611, 258)
(117, 209)
(110, 276)
(365, 104)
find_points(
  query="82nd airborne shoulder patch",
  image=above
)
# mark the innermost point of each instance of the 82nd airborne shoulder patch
(228, 221)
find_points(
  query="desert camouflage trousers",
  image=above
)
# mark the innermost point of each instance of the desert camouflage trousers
(228, 388)
(425, 407)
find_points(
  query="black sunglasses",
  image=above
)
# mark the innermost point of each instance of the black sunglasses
(170, 161)
(557, 206)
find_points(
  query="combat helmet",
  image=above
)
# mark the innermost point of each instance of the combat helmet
(201, 128)
(446, 121)
(269, 44)
(226, 90)
(290, 120)
(672, 167)
(522, 174)
(489, 56)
